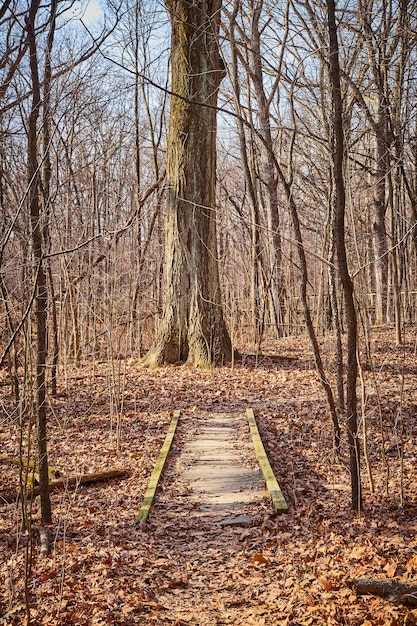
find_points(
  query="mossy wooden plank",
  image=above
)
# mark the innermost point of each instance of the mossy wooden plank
(53, 472)
(278, 500)
(157, 470)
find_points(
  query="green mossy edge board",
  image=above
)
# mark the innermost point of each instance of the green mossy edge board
(157, 470)
(278, 501)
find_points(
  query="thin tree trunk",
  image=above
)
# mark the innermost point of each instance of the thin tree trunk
(380, 231)
(41, 296)
(268, 175)
(46, 186)
(309, 321)
(255, 252)
(287, 186)
(13, 359)
(339, 199)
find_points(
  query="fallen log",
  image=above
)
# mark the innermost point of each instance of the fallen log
(70, 481)
(391, 590)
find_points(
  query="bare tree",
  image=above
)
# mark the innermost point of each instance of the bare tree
(192, 327)
(41, 292)
(339, 202)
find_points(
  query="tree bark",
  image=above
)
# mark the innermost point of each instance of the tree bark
(192, 328)
(379, 227)
(339, 206)
(392, 590)
(40, 274)
(46, 187)
(70, 481)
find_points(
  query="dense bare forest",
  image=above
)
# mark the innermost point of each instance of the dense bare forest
(195, 183)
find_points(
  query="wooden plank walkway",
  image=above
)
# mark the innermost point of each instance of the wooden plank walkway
(223, 470)
(219, 472)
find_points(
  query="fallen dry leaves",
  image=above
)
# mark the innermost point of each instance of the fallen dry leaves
(178, 569)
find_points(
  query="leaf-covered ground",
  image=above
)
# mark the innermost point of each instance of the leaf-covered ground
(177, 569)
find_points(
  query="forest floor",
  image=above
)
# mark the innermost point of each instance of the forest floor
(179, 568)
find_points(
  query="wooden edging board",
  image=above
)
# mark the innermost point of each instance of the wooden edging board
(278, 500)
(157, 470)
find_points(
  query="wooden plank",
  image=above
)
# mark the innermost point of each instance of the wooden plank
(157, 470)
(278, 500)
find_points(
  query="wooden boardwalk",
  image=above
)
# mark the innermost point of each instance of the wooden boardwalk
(222, 466)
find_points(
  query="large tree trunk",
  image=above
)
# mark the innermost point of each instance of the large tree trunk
(192, 327)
